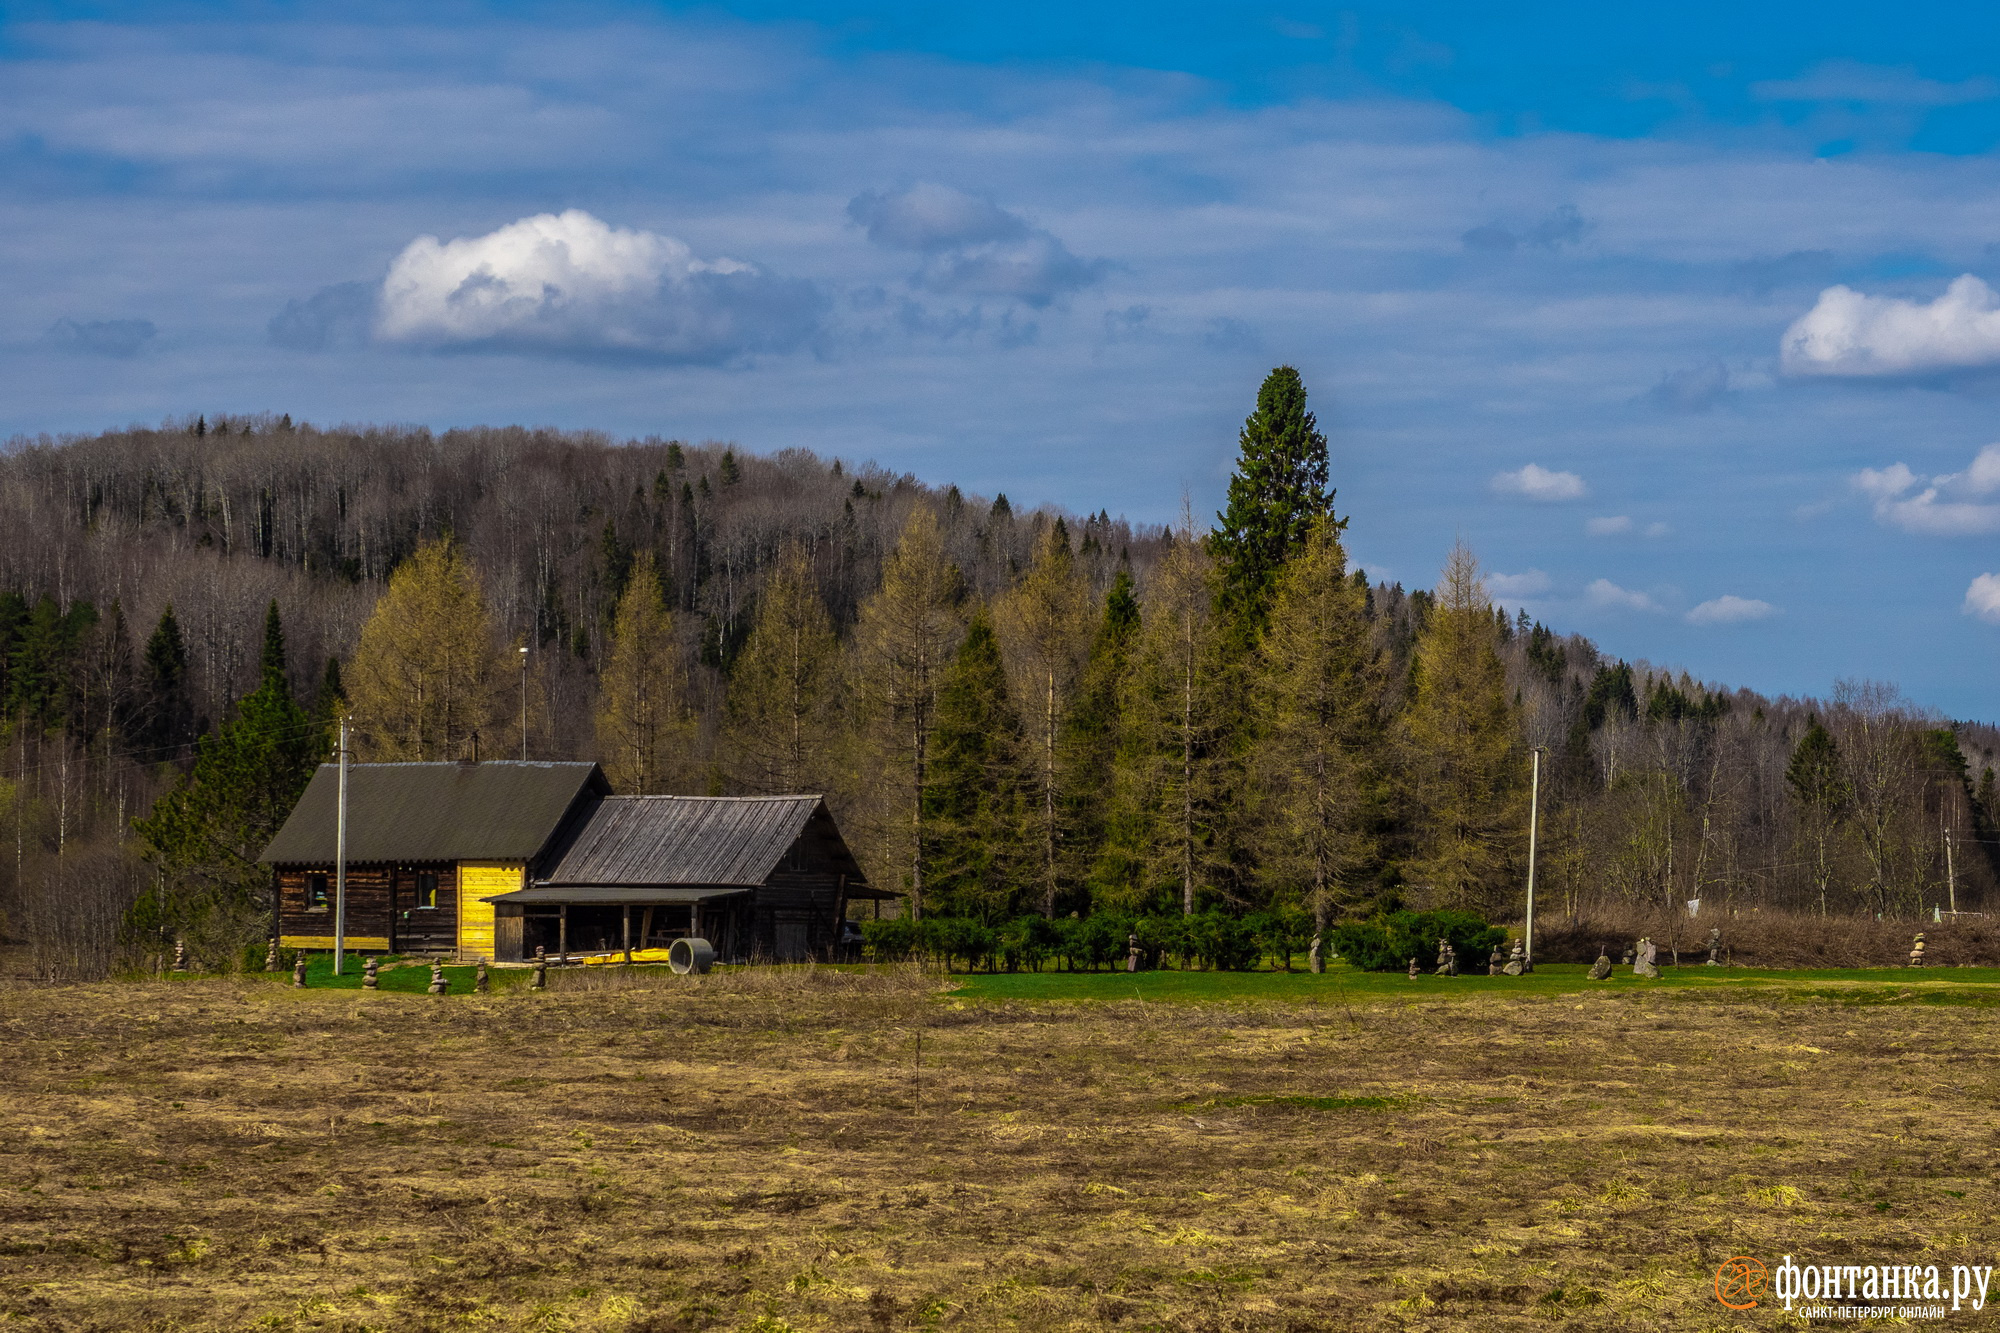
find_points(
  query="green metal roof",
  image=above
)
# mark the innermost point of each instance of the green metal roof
(502, 810)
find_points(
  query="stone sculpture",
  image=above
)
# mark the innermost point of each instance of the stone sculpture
(1647, 964)
(1517, 963)
(1601, 969)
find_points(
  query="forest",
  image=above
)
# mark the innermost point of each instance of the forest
(1014, 712)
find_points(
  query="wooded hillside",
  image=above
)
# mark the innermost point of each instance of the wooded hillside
(1012, 711)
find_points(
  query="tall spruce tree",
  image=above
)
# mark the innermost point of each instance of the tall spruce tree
(206, 833)
(1318, 676)
(1461, 749)
(977, 802)
(1093, 730)
(1277, 495)
(167, 711)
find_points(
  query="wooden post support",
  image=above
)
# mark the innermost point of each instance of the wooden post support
(626, 924)
(562, 933)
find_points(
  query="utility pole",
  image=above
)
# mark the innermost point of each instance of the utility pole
(524, 703)
(1950, 874)
(1534, 821)
(340, 860)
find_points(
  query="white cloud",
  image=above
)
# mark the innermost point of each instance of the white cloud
(1982, 598)
(1952, 504)
(1850, 333)
(1511, 587)
(1616, 525)
(1605, 594)
(1657, 529)
(1852, 81)
(1535, 482)
(1730, 609)
(570, 284)
(975, 247)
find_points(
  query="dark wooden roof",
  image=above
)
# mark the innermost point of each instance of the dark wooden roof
(627, 840)
(613, 895)
(502, 810)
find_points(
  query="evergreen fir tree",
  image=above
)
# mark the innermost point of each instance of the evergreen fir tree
(167, 712)
(975, 798)
(1821, 790)
(1093, 729)
(1277, 495)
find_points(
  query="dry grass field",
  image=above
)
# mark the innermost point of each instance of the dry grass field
(769, 1151)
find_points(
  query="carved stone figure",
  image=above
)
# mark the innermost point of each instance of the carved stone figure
(1714, 948)
(1317, 963)
(1447, 959)
(1131, 953)
(540, 980)
(271, 963)
(1414, 971)
(1494, 963)
(1517, 963)
(370, 976)
(299, 972)
(480, 984)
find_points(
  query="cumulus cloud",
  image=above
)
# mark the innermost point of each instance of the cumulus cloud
(1606, 595)
(570, 284)
(330, 317)
(973, 247)
(1848, 333)
(102, 337)
(1511, 587)
(1953, 504)
(1535, 482)
(1982, 599)
(1695, 389)
(1730, 609)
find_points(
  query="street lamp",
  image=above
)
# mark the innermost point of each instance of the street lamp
(524, 703)
(1534, 817)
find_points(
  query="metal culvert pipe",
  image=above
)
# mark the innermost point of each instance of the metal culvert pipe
(692, 954)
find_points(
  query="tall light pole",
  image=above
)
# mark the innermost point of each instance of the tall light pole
(1534, 820)
(340, 859)
(524, 703)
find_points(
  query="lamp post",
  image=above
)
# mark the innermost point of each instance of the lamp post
(524, 703)
(1534, 819)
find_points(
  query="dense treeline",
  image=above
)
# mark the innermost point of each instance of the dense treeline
(1014, 713)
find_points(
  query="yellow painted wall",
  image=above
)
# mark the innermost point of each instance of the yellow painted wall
(355, 943)
(477, 880)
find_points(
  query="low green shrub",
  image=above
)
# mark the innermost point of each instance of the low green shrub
(1388, 943)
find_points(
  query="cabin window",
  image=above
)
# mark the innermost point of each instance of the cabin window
(316, 891)
(427, 889)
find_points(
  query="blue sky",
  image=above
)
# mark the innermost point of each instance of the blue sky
(1680, 318)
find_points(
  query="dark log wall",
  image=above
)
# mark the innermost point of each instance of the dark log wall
(381, 904)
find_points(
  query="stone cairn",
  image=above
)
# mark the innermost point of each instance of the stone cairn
(1714, 948)
(480, 983)
(540, 979)
(1415, 972)
(438, 983)
(1494, 963)
(299, 972)
(1917, 951)
(1317, 963)
(1601, 969)
(1630, 955)
(370, 975)
(1518, 962)
(1447, 959)
(180, 956)
(1131, 953)
(271, 962)
(1647, 963)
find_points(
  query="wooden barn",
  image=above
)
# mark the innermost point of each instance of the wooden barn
(756, 876)
(496, 859)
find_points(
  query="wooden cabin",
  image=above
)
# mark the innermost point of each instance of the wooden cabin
(427, 844)
(759, 877)
(493, 860)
